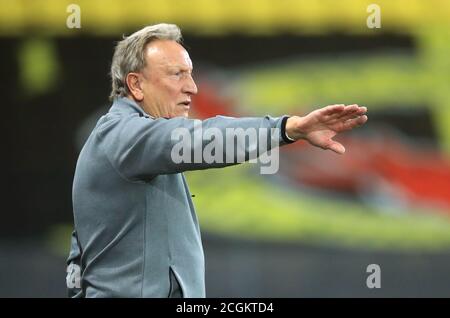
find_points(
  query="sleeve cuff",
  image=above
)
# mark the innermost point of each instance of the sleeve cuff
(284, 135)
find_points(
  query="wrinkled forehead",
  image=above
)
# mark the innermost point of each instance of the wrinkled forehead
(167, 53)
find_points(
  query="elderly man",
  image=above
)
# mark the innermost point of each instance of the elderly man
(136, 231)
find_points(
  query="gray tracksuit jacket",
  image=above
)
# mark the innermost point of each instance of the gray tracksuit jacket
(136, 232)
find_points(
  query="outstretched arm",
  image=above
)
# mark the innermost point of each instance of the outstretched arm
(321, 125)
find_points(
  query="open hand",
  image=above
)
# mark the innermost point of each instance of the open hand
(321, 125)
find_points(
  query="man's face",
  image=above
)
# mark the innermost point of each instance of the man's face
(166, 81)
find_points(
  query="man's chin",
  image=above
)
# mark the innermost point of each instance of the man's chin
(184, 114)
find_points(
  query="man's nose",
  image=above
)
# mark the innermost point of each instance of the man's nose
(190, 87)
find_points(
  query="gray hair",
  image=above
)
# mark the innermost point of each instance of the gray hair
(129, 54)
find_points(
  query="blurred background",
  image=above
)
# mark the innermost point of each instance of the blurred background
(310, 230)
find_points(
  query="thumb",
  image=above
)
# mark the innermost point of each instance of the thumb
(337, 147)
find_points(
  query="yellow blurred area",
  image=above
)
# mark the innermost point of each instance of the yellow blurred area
(219, 16)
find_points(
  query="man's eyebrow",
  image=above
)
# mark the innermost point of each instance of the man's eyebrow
(183, 68)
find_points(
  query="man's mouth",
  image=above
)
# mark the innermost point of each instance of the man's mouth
(186, 103)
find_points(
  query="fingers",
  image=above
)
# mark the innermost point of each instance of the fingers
(340, 118)
(339, 111)
(355, 112)
(350, 109)
(333, 109)
(355, 122)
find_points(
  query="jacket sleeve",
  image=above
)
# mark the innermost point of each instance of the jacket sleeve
(140, 148)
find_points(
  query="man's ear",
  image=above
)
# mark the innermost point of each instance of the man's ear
(133, 82)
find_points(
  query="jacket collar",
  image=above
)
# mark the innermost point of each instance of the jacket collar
(127, 106)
